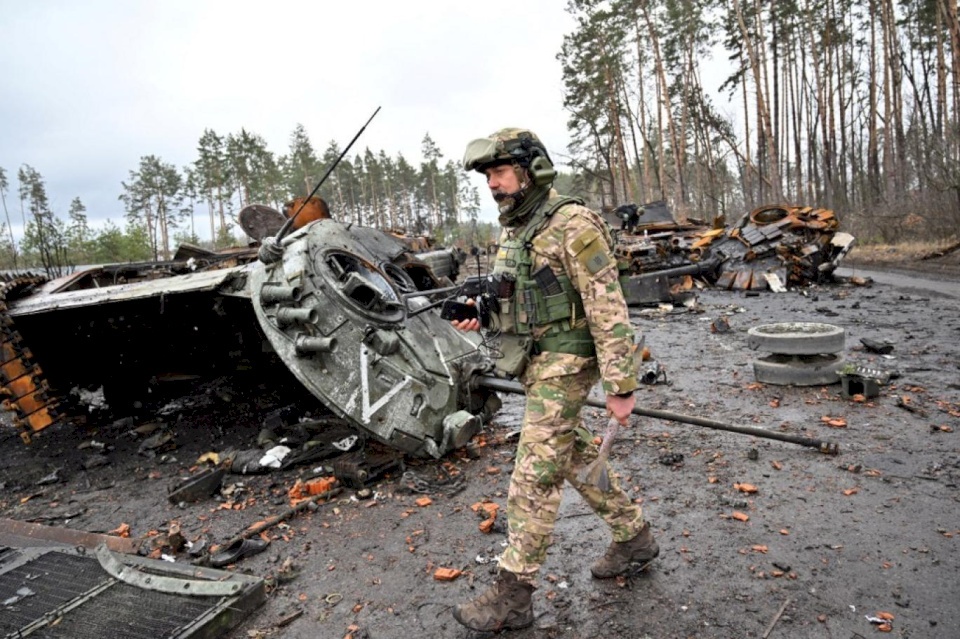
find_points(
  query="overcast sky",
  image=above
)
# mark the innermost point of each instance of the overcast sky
(90, 87)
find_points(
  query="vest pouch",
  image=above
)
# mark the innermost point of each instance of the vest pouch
(555, 308)
(515, 353)
(507, 315)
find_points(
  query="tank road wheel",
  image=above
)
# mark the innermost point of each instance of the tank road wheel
(798, 370)
(797, 338)
(803, 353)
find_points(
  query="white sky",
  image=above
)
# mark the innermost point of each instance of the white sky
(90, 87)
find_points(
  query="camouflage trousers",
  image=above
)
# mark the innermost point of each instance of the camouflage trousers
(554, 447)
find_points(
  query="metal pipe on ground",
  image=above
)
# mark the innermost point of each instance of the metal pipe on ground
(826, 447)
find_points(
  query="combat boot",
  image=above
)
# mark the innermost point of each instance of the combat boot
(622, 556)
(505, 605)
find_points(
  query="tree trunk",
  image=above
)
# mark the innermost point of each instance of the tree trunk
(763, 113)
(663, 94)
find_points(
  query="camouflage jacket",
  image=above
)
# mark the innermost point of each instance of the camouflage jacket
(575, 241)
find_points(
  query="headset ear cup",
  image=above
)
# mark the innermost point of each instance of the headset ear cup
(542, 171)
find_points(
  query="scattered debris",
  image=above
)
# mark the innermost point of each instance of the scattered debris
(487, 510)
(776, 618)
(22, 593)
(882, 620)
(651, 372)
(671, 459)
(160, 442)
(880, 348)
(834, 422)
(720, 325)
(365, 466)
(236, 551)
(52, 478)
(201, 486)
(260, 526)
(305, 489)
(446, 574)
(861, 381)
(909, 404)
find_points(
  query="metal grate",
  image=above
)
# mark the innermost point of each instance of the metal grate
(55, 578)
(71, 596)
(131, 613)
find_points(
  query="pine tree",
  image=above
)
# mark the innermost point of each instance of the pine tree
(4, 187)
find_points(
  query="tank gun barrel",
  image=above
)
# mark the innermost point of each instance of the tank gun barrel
(826, 447)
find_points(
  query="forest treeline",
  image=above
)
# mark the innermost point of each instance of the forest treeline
(851, 105)
(165, 204)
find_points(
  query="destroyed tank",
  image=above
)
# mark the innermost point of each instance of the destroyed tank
(771, 247)
(338, 306)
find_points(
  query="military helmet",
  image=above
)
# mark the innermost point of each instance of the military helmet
(505, 146)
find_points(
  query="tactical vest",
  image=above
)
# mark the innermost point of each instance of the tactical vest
(530, 306)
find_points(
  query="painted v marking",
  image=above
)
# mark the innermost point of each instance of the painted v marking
(369, 409)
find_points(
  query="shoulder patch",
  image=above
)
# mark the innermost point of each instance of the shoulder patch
(595, 259)
(589, 252)
(584, 240)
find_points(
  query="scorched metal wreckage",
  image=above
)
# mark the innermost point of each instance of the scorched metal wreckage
(335, 304)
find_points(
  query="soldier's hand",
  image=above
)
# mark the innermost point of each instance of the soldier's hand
(472, 324)
(466, 325)
(621, 408)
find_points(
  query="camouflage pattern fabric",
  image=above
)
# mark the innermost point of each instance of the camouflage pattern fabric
(575, 241)
(553, 445)
(553, 448)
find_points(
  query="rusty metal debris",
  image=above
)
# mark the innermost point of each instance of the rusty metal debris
(767, 249)
(22, 533)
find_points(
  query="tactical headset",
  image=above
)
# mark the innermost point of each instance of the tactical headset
(533, 157)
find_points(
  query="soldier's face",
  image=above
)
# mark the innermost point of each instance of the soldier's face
(502, 180)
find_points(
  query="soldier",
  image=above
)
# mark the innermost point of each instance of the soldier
(563, 324)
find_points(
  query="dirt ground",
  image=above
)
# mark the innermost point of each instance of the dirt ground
(824, 542)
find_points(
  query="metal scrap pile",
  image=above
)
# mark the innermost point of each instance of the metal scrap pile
(769, 248)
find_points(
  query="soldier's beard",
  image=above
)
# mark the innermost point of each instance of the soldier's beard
(508, 202)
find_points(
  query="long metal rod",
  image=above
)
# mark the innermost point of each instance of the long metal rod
(826, 447)
(286, 225)
(432, 291)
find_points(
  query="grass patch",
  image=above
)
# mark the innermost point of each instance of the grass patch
(905, 251)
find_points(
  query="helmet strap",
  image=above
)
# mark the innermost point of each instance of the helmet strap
(522, 203)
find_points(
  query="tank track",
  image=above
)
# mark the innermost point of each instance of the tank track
(25, 393)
